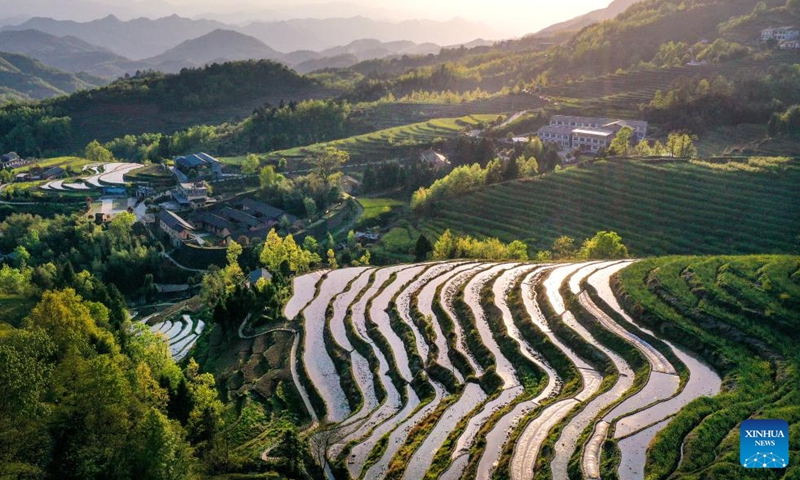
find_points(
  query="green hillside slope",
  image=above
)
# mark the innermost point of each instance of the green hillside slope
(740, 314)
(659, 208)
(22, 78)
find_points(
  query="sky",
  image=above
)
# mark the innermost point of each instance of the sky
(513, 17)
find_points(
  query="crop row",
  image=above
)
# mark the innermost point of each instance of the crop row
(471, 370)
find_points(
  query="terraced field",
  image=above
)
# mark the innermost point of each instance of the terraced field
(659, 208)
(374, 146)
(491, 370)
(181, 334)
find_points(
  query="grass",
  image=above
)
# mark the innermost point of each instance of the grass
(71, 164)
(377, 209)
(659, 208)
(741, 315)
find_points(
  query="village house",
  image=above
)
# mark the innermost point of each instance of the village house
(11, 160)
(214, 224)
(588, 133)
(257, 274)
(780, 33)
(191, 195)
(177, 229)
(198, 166)
(790, 44)
(265, 211)
(53, 173)
(434, 159)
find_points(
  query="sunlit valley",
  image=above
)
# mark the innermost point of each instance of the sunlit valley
(378, 241)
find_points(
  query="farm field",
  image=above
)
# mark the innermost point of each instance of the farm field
(467, 369)
(374, 146)
(659, 208)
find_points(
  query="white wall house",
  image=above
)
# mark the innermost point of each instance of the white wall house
(780, 33)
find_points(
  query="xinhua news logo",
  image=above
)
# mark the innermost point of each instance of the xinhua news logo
(764, 444)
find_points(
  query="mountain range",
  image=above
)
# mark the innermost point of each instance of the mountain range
(143, 38)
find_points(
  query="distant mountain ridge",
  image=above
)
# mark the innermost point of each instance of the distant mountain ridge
(144, 38)
(75, 55)
(217, 46)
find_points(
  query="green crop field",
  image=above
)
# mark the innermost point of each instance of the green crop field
(374, 146)
(659, 208)
(741, 314)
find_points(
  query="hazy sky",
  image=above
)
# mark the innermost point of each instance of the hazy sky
(515, 17)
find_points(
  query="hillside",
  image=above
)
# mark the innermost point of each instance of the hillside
(740, 314)
(155, 102)
(218, 46)
(22, 78)
(486, 366)
(658, 208)
(67, 53)
(573, 25)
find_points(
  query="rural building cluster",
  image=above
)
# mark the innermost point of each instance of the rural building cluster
(588, 134)
(787, 37)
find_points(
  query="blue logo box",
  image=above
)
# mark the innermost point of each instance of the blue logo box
(764, 444)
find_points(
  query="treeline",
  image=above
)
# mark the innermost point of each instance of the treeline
(268, 128)
(34, 130)
(209, 86)
(699, 104)
(61, 125)
(522, 162)
(787, 122)
(116, 253)
(618, 43)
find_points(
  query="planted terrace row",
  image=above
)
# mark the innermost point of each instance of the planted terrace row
(474, 370)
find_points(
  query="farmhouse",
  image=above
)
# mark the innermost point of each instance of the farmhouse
(193, 194)
(176, 228)
(790, 44)
(588, 133)
(53, 173)
(215, 224)
(434, 159)
(11, 160)
(198, 166)
(257, 275)
(780, 33)
(265, 211)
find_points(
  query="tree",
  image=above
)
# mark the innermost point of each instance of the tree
(310, 206)
(563, 248)
(445, 246)
(250, 164)
(97, 153)
(643, 149)
(621, 143)
(327, 164)
(604, 246)
(332, 259)
(267, 178)
(681, 145)
(422, 248)
(793, 6)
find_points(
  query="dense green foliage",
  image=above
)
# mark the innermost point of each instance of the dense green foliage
(154, 102)
(740, 315)
(787, 122)
(657, 207)
(749, 98)
(449, 247)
